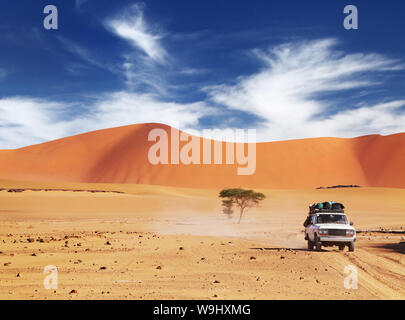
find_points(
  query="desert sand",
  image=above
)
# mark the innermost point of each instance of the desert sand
(120, 155)
(118, 227)
(159, 242)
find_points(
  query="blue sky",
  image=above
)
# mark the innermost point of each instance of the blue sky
(287, 68)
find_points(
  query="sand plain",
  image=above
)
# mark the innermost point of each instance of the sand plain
(156, 242)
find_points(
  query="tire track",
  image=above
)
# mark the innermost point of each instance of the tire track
(378, 276)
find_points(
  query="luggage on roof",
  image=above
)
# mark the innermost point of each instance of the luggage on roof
(327, 206)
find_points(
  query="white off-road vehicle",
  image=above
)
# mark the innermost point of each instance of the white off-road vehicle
(329, 229)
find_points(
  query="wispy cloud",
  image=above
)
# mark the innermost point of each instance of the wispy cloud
(45, 120)
(288, 92)
(132, 27)
(83, 54)
(25, 121)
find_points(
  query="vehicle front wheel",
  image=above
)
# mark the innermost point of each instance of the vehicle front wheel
(351, 246)
(310, 245)
(318, 244)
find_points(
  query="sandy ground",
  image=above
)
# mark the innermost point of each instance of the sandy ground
(171, 243)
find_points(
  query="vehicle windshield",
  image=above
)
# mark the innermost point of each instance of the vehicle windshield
(332, 218)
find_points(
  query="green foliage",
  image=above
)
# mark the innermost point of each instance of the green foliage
(241, 198)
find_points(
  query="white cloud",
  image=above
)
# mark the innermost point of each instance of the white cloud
(123, 108)
(286, 92)
(25, 121)
(132, 27)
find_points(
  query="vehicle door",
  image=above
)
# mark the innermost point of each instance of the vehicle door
(311, 230)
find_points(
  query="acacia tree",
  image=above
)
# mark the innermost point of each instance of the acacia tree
(241, 198)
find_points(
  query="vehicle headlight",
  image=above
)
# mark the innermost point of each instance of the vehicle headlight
(323, 232)
(350, 233)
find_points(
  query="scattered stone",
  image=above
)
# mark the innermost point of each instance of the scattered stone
(18, 275)
(34, 255)
(30, 240)
(73, 291)
(282, 257)
(181, 248)
(252, 258)
(108, 243)
(216, 281)
(103, 268)
(159, 267)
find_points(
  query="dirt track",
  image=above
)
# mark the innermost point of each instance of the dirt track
(381, 271)
(147, 265)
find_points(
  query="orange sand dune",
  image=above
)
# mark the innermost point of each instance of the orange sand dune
(120, 155)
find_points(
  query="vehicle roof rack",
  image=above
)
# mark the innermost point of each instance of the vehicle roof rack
(327, 211)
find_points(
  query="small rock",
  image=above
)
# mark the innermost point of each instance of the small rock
(181, 248)
(103, 268)
(108, 243)
(73, 291)
(159, 267)
(34, 255)
(216, 281)
(282, 257)
(252, 258)
(18, 275)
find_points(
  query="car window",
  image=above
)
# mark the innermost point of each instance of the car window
(313, 220)
(332, 218)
